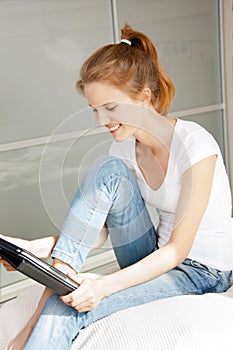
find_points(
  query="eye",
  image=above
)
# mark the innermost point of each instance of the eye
(94, 110)
(112, 108)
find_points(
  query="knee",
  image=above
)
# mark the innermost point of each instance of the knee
(108, 166)
(55, 307)
(108, 176)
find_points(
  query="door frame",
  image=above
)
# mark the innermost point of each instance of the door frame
(226, 17)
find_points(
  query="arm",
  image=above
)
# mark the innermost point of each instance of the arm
(193, 201)
(194, 197)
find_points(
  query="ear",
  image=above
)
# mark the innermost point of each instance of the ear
(145, 97)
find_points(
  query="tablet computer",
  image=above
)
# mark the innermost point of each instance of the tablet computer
(35, 268)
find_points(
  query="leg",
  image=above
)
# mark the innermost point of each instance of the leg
(108, 193)
(60, 324)
(101, 198)
(20, 340)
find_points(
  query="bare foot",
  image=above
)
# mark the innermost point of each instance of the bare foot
(41, 247)
(22, 243)
(62, 266)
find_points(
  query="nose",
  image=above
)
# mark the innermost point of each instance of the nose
(102, 118)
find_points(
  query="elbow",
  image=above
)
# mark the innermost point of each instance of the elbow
(179, 254)
(181, 258)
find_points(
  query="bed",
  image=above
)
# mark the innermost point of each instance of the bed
(190, 322)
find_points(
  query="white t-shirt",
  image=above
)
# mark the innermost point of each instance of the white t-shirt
(190, 144)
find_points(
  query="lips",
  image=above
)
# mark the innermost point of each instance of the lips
(113, 129)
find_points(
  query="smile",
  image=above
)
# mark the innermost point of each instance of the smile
(114, 128)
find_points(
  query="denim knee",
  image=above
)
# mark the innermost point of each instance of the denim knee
(107, 167)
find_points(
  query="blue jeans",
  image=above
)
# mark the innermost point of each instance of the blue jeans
(109, 194)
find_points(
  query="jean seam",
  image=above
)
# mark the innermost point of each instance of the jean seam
(106, 182)
(58, 254)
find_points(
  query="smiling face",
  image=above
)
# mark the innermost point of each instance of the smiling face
(105, 100)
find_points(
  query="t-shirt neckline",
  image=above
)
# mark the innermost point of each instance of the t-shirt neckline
(168, 166)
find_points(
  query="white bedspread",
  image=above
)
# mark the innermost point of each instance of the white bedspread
(179, 323)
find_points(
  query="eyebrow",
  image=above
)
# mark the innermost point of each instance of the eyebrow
(103, 105)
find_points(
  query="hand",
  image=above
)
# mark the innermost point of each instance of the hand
(7, 266)
(20, 242)
(41, 247)
(87, 296)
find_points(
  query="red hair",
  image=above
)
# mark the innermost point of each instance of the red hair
(130, 68)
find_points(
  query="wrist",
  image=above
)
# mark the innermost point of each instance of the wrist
(106, 286)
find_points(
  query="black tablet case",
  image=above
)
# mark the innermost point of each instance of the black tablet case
(35, 268)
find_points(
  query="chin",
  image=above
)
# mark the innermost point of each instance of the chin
(119, 138)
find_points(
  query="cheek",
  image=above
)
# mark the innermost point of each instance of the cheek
(130, 114)
(127, 130)
(130, 128)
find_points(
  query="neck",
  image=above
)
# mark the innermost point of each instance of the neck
(157, 133)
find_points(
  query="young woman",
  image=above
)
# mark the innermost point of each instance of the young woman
(174, 165)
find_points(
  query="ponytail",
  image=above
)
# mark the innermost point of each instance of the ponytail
(130, 68)
(166, 89)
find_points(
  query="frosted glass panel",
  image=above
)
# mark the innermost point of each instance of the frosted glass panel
(42, 46)
(26, 210)
(186, 35)
(212, 122)
(22, 212)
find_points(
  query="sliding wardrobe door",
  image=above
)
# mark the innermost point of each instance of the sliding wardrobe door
(187, 35)
(43, 44)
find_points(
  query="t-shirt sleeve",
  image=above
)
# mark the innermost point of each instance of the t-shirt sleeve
(197, 146)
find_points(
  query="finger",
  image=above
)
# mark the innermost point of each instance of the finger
(7, 266)
(86, 305)
(78, 294)
(83, 307)
(77, 303)
(4, 262)
(71, 297)
(86, 309)
(83, 301)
